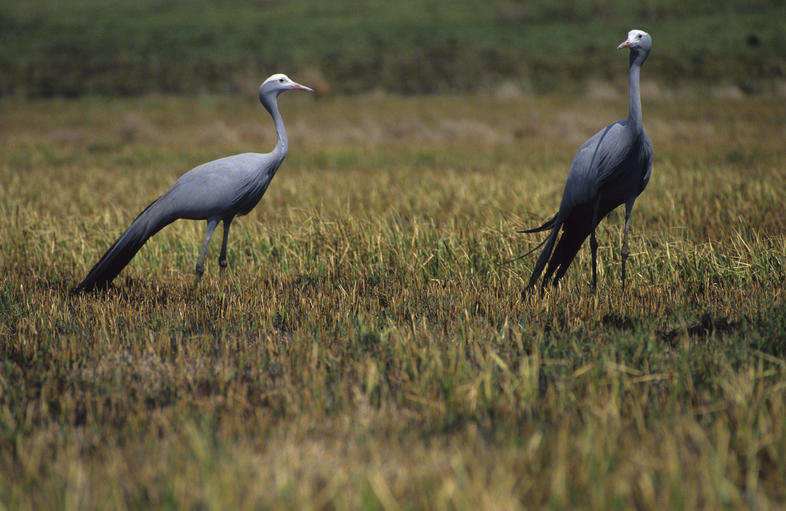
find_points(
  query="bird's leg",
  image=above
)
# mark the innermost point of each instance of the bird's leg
(200, 265)
(628, 210)
(222, 258)
(594, 247)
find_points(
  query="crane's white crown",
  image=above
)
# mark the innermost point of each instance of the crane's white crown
(635, 34)
(276, 77)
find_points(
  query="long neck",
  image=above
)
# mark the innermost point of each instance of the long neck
(634, 98)
(282, 143)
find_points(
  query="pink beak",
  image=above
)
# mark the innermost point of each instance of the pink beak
(295, 85)
(624, 44)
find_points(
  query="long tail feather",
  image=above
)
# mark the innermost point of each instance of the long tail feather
(530, 251)
(149, 222)
(546, 253)
(569, 244)
(545, 227)
(563, 254)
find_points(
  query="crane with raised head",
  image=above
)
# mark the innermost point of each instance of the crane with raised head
(216, 191)
(612, 168)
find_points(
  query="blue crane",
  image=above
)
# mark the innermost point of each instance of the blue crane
(612, 168)
(216, 191)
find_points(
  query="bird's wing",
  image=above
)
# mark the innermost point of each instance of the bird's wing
(582, 183)
(646, 157)
(218, 187)
(597, 162)
(612, 149)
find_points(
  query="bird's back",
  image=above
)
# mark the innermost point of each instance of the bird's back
(228, 186)
(612, 165)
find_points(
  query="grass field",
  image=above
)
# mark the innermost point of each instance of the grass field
(367, 348)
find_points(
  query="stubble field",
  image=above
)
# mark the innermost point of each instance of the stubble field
(368, 346)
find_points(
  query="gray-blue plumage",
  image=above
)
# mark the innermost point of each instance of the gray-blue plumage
(215, 191)
(611, 168)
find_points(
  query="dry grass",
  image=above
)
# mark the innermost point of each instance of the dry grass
(366, 348)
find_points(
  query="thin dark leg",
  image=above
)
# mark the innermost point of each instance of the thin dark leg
(628, 210)
(200, 265)
(222, 258)
(594, 247)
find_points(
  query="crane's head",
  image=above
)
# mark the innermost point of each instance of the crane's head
(638, 40)
(276, 84)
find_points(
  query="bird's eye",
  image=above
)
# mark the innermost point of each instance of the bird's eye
(281, 80)
(638, 36)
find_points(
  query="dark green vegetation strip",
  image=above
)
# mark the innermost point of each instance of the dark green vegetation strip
(49, 47)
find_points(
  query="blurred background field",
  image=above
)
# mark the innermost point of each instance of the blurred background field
(368, 348)
(113, 47)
